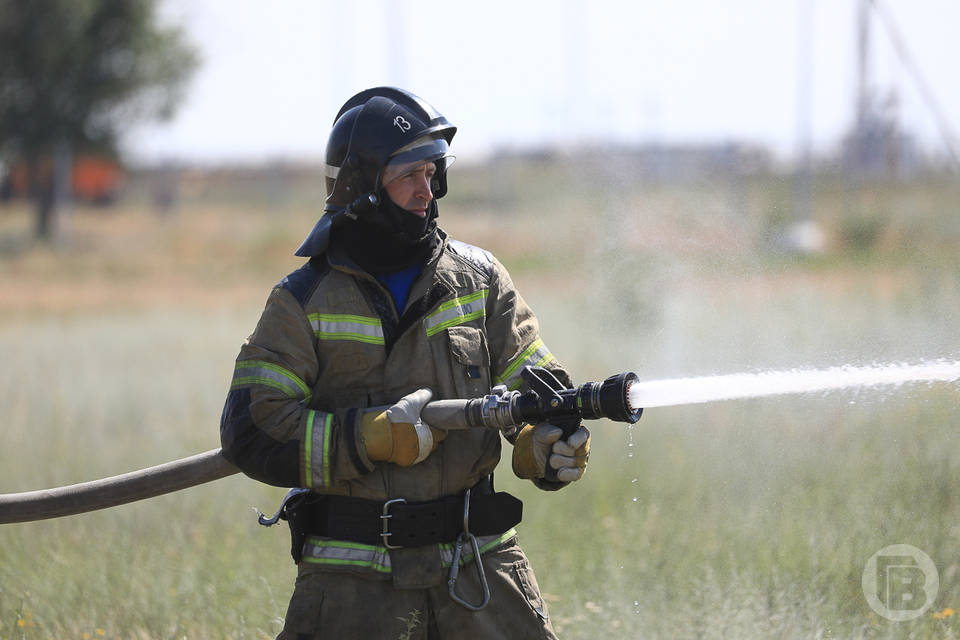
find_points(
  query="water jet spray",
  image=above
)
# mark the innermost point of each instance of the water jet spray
(618, 397)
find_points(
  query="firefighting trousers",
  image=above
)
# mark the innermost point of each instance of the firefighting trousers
(341, 605)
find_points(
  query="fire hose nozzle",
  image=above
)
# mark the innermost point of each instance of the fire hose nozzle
(609, 398)
(546, 401)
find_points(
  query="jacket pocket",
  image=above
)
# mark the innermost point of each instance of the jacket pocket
(469, 361)
(523, 577)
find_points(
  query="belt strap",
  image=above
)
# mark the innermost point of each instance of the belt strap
(398, 523)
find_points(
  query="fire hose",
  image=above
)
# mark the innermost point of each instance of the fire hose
(547, 400)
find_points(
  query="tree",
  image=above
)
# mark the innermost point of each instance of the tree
(73, 73)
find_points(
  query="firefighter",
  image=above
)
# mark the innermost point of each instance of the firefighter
(397, 530)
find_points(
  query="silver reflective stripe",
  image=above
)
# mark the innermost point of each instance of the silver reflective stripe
(335, 326)
(457, 311)
(341, 553)
(486, 544)
(316, 449)
(248, 372)
(536, 355)
(331, 171)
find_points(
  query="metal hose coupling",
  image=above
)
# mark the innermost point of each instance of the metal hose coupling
(496, 410)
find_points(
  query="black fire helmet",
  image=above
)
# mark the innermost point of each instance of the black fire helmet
(376, 130)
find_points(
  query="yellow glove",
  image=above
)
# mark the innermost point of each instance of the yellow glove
(537, 446)
(398, 435)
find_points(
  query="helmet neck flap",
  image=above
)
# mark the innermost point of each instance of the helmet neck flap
(388, 239)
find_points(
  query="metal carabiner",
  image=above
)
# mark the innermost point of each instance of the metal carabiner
(455, 565)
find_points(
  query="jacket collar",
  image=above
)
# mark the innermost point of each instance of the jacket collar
(338, 259)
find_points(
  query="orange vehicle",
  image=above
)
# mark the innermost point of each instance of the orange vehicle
(94, 179)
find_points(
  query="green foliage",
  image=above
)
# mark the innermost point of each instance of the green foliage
(74, 70)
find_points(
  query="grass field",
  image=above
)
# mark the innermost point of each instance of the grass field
(747, 519)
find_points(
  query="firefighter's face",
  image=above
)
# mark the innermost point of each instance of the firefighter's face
(411, 189)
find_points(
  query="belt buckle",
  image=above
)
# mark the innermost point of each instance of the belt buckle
(385, 519)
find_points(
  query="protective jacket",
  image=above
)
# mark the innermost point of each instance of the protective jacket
(330, 343)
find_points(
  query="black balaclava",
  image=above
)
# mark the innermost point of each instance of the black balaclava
(388, 239)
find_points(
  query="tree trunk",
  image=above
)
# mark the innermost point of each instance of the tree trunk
(46, 208)
(53, 189)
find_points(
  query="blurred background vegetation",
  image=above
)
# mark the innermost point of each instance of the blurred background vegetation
(119, 325)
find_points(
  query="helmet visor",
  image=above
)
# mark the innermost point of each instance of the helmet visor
(411, 156)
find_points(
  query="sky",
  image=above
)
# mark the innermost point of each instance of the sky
(522, 73)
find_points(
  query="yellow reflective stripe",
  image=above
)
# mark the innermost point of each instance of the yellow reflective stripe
(518, 361)
(446, 550)
(456, 311)
(248, 372)
(348, 563)
(344, 544)
(536, 355)
(327, 438)
(323, 454)
(344, 326)
(307, 450)
(325, 551)
(462, 300)
(544, 360)
(345, 317)
(347, 554)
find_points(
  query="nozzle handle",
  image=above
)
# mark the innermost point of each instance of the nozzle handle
(546, 385)
(548, 388)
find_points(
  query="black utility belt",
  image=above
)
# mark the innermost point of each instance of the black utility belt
(398, 523)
